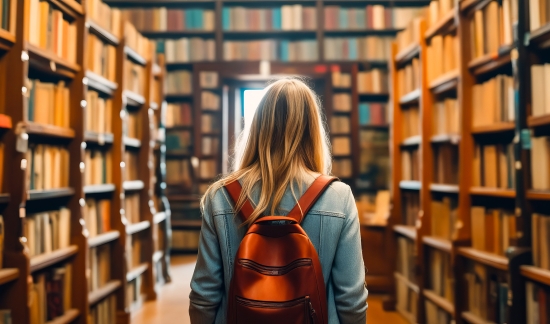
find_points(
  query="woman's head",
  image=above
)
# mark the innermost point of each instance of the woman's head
(285, 142)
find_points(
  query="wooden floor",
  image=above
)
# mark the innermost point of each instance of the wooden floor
(173, 300)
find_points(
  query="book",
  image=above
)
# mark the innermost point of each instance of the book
(49, 167)
(179, 141)
(99, 113)
(410, 208)
(373, 113)
(105, 16)
(540, 159)
(341, 80)
(134, 77)
(540, 96)
(178, 114)
(410, 35)
(446, 117)
(340, 125)
(410, 165)
(208, 169)
(286, 17)
(136, 41)
(440, 277)
(185, 240)
(271, 50)
(50, 294)
(103, 312)
(342, 168)
(357, 48)
(406, 258)
(493, 101)
(373, 81)
(97, 215)
(341, 146)
(132, 208)
(99, 265)
(442, 53)
(492, 229)
(194, 49)
(446, 168)
(444, 217)
(171, 19)
(374, 159)
(208, 80)
(100, 57)
(131, 170)
(98, 167)
(492, 27)
(375, 17)
(438, 9)
(48, 103)
(408, 78)
(133, 127)
(411, 121)
(540, 240)
(48, 231)
(341, 102)
(493, 166)
(210, 100)
(179, 82)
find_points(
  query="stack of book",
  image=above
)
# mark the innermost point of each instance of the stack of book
(443, 56)
(410, 165)
(97, 215)
(372, 17)
(48, 231)
(101, 57)
(492, 229)
(172, 19)
(374, 113)
(493, 101)
(446, 117)
(179, 114)
(99, 113)
(179, 82)
(49, 103)
(373, 81)
(537, 302)
(446, 164)
(374, 159)
(408, 78)
(357, 48)
(49, 167)
(410, 35)
(133, 125)
(194, 49)
(491, 28)
(59, 38)
(287, 17)
(540, 159)
(107, 17)
(50, 294)
(494, 166)
(271, 50)
(411, 207)
(540, 237)
(444, 217)
(540, 89)
(98, 167)
(438, 9)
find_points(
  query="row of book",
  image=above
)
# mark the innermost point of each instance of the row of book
(133, 125)
(194, 49)
(540, 159)
(210, 101)
(6, 22)
(342, 168)
(492, 229)
(210, 123)
(179, 82)
(341, 146)
(540, 236)
(48, 30)
(132, 208)
(210, 145)
(410, 207)
(410, 35)
(411, 121)
(48, 231)
(446, 117)
(357, 48)
(144, 47)
(406, 258)
(487, 294)
(178, 114)
(98, 167)
(340, 80)
(442, 53)
(134, 77)
(494, 101)
(436, 315)
(494, 166)
(287, 17)
(410, 165)
(408, 78)
(341, 102)
(208, 169)
(437, 10)
(271, 50)
(406, 298)
(446, 163)
(491, 28)
(441, 278)
(537, 303)
(375, 17)
(101, 57)
(134, 293)
(340, 125)
(540, 89)
(373, 81)
(374, 113)
(50, 294)
(105, 16)
(539, 13)
(49, 103)
(171, 19)
(99, 267)
(131, 168)
(181, 172)
(97, 215)
(99, 113)
(185, 240)
(444, 217)
(179, 141)
(133, 244)
(103, 312)
(49, 167)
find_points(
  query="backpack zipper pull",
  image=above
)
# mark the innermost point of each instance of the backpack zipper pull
(312, 313)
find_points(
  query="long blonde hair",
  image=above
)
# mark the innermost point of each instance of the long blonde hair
(285, 143)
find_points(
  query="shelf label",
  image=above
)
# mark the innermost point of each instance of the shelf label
(527, 39)
(525, 139)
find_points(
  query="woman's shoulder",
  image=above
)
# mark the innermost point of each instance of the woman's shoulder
(217, 199)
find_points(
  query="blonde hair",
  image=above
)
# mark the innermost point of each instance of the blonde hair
(285, 143)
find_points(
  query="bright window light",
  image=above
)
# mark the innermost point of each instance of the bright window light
(251, 99)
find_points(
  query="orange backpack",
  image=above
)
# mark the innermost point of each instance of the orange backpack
(277, 276)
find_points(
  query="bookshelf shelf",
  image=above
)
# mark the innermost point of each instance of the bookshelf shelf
(444, 83)
(445, 138)
(502, 127)
(8, 275)
(493, 192)
(286, 34)
(50, 193)
(45, 130)
(444, 188)
(412, 286)
(540, 38)
(538, 121)
(176, 97)
(133, 99)
(375, 126)
(179, 127)
(7, 39)
(132, 229)
(187, 224)
(361, 32)
(412, 141)
(96, 296)
(410, 98)
(441, 302)
(4, 198)
(472, 318)
(159, 217)
(445, 25)
(5, 122)
(438, 243)
(374, 97)
(211, 134)
(136, 272)
(101, 84)
(98, 138)
(50, 63)
(104, 238)
(68, 317)
(179, 34)
(486, 258)
(134, 56)
(407, 54)
(48, 259)
(410, 185)
(171, 154)
(131, 142)
(538, 195)
(133, 185)
(105, 35)
(70, 7)
(405, 230)
(536, 274)
(490, 62)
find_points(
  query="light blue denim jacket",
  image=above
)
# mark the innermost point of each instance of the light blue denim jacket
(332, 225)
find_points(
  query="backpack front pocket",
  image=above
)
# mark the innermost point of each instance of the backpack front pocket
(266, 312)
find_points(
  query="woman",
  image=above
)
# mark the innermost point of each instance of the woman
(276, 159)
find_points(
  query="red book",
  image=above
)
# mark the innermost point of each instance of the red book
(543, 304)
(368, 18)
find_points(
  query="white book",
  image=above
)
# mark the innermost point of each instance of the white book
(286, 17)
(297, 17)
(537, 90)
(163, 21)
(378, 15)
(546, 91)
(507, 22)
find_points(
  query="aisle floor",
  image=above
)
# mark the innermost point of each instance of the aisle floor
(173, 300)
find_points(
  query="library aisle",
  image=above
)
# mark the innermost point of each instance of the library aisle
(173, 300)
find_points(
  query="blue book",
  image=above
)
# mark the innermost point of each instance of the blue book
(284, 51)
(160, 46)
(200, 19)
(188, 19)
(360, 18)
(352, 48)
(226, 18)
(364, 114)
(276, 12)
(343, 18)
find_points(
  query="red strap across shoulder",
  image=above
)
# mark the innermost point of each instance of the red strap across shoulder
(309, 198)
(234, 189)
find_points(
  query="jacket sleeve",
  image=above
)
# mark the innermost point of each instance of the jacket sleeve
(207, 282)
(348, 269)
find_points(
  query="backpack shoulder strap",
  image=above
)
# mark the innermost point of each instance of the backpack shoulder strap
(234, 189)
(309, 198)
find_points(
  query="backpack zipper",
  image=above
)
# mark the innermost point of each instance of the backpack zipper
(270, 304)
(312, 312)
(274, 271)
